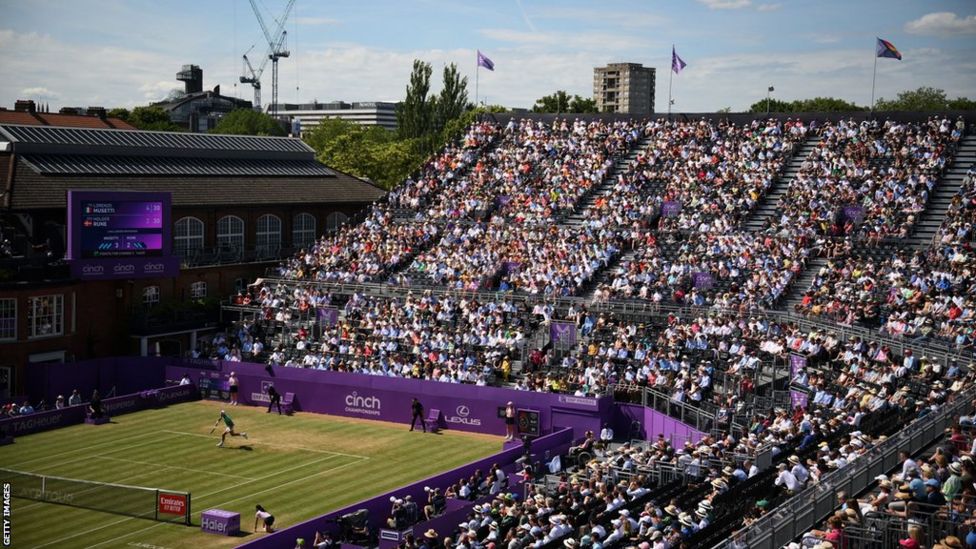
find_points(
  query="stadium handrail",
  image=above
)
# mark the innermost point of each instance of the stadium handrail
(935, 348)
(812, 505)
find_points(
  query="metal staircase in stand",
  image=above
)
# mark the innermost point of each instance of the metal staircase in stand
(768, 205)
(931, 219)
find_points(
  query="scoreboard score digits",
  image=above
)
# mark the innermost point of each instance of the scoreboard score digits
(121, 227)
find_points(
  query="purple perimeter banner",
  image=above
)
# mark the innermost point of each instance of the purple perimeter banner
(464, 407)
(53, 419)
(797, 363)
(562, 333)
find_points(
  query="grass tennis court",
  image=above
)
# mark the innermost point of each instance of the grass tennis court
(296, 467)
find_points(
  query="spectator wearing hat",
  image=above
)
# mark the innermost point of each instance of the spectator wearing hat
(786, 479)
(933, 495)
(430, 540)
(798, 470)
(953, 485)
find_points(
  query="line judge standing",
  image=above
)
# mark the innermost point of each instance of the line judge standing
(418, 414)
(509, 421)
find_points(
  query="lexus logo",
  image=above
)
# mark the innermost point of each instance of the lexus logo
(463, 411)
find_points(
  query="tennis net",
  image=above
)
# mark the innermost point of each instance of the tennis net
(135, 501)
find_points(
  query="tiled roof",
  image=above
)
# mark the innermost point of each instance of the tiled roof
(64, 120)
(33, 190)
(137, 140)
(76, 164)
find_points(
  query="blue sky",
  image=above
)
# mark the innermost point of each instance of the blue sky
(116, 52)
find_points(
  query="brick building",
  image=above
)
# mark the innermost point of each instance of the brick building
(240, 203)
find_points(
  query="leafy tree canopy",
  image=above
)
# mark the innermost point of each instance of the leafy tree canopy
(248, 122)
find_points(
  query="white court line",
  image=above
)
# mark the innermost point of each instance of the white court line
(273, 445)
(117, 481)
(114, 441)
(173, 467)
(223, 504)
(198, 498)
(89, 457)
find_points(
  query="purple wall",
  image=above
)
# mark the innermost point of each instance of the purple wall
(379, 506)
(652, 423)
(126, 374)
(465, 407)
(53, 419)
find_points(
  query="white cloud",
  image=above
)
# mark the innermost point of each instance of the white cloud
(527, 66)
(83, 77)
(726, 4)
(315, 21)
(609, 17)
(942, 23)
(154, 91)
(769, 7)
(39, 92)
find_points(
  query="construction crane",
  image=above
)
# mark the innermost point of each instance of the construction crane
(252, 77)
(276, 50)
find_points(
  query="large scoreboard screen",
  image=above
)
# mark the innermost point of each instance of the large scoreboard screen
(120, 227)
(116, 234)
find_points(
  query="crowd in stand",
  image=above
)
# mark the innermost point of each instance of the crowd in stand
(539, 260)
(717, 172)
(423, 336)
(925, 502)
(925, 294)
(737, 270)
(957, 228)
(869, 179)
(575, 157)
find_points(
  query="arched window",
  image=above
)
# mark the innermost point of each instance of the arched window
(230, 233)
(187, 236)
(268, 236)
(303, 230)
(335, 220)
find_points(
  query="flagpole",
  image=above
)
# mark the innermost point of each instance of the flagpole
(477, 72)
(670, 77)
(874, 78)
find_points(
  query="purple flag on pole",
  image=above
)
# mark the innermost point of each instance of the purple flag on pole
(677, 64)
(483, 61)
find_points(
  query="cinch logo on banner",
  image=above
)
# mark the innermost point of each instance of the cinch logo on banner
(462, 416)
(368, 405)
(172, 504)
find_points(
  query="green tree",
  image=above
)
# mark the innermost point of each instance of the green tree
(365, 151)
(962, 104)
(817, 104)
(560, 102)
(152, 118)
(415, 113)
(248, 122)
(582, 104)
(557, 102)
(825, 104)
(453, 99)
(119, 112)
(925, 98)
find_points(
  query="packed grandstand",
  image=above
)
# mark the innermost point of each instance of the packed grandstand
(801, 290)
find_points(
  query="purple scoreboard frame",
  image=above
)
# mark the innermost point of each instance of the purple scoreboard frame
(109, 268)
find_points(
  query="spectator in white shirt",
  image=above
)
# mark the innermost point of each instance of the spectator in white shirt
(785, 478)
